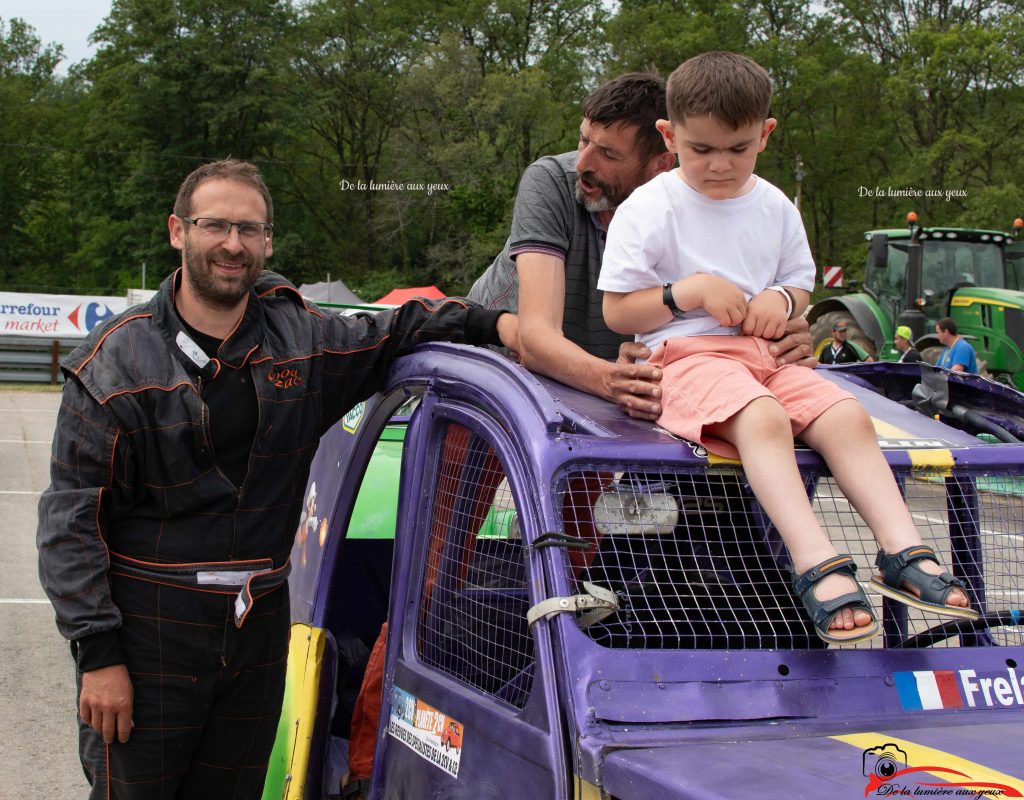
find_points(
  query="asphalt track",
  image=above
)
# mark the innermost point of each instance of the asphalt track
(38, 739)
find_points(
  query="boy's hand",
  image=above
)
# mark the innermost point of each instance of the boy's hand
(766, 315)
(717, 296)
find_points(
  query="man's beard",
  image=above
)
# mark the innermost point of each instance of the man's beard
(611, 196)
(215, 290)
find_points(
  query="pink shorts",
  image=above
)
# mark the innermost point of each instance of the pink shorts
(709, 379)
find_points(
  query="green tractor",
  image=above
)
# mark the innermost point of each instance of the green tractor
(917, 276)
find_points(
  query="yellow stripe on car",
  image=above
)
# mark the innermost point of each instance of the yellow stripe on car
(938, 460)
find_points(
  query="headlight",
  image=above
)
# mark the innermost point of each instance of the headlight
(624, 513)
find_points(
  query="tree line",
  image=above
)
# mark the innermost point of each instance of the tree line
(393, 133)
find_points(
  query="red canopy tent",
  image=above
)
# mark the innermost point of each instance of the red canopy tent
(398, 296)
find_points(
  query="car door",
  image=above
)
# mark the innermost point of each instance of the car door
(470, 707)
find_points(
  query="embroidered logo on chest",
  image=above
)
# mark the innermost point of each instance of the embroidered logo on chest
(285, 377)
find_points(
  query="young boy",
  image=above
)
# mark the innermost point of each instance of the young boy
(708, 251)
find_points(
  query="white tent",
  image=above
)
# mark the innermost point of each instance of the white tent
(329, 292)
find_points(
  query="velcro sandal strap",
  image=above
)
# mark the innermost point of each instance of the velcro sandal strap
(840, 563)
(827, 609)
(893, 565)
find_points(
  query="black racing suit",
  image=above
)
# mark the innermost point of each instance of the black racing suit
(142, 535)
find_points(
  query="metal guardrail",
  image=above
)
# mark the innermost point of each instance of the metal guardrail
(25, 359)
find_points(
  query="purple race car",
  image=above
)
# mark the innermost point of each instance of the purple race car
(582, 605)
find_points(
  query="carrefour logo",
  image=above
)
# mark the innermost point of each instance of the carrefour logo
(92, 315)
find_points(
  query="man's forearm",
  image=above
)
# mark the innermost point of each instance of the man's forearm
(558, 358)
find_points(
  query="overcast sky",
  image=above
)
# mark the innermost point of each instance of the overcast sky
(67, 22)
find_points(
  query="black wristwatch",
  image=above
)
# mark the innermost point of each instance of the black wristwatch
(669, 300)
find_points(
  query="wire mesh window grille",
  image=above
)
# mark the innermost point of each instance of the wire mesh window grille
(696, 563)
(473, 616)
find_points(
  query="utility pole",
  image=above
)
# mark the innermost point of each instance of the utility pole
(143, 274)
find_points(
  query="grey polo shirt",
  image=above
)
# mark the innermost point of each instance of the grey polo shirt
(547, 218)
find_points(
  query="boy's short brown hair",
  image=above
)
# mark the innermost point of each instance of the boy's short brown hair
(728, 86)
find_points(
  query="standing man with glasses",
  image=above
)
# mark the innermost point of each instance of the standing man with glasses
(180, 459)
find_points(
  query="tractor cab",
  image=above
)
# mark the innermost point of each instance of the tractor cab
(937, 262)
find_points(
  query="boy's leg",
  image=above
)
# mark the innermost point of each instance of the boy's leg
(845, 438)
(762, 433)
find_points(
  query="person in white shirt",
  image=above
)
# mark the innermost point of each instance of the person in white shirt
(709, 251)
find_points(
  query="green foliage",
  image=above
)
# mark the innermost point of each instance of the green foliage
(393, 134)
(30, 107)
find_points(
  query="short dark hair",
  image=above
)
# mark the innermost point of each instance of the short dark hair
(948, 324)
(730, 87)
(636, 98)
(228, 169)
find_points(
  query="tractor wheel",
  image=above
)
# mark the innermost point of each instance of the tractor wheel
(821, 333)
(931, 355)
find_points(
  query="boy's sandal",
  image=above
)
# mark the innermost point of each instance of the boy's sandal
(901, 568)
(822, 612)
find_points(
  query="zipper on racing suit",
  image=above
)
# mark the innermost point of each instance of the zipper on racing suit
(204, 426)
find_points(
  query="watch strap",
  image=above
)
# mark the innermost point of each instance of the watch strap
(669, 300)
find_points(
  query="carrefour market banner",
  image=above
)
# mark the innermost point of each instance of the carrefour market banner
(55, 316)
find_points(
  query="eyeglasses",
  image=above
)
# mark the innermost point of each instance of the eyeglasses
(221, 228)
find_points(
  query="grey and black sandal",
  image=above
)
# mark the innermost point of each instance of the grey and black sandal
(822, 612)
(900, 569)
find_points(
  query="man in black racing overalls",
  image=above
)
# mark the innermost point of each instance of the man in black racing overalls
(180, 459)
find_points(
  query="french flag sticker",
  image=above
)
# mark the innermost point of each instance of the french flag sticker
(925, 691)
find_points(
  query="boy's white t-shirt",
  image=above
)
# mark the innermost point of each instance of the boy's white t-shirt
(667, 230)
